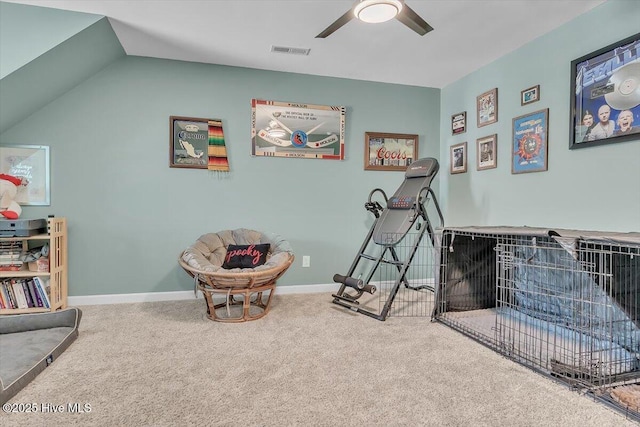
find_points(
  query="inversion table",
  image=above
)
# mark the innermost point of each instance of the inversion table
(404, 209)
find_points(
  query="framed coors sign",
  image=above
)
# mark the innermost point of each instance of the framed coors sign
(389, 151)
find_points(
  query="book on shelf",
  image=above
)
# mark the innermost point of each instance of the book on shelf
(8, 290)
(14, 297)
(24, 293)
(11, 246)
(42, 289)
(27, 295)
(11, 265)
(19, 293)
(34, 293)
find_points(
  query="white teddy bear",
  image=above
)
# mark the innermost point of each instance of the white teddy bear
(9, 208)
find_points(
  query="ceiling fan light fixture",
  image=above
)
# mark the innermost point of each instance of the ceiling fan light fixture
(376, 11)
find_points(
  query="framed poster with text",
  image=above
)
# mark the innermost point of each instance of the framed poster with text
(197, 144)
(530, 142)
(389, 151)
(287, 129)
(459, 123)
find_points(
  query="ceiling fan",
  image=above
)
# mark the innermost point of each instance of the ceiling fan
(375, 11)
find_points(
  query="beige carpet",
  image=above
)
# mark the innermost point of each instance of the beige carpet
(307, 363)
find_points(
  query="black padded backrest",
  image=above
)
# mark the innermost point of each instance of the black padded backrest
(398, 217)
(427, 167)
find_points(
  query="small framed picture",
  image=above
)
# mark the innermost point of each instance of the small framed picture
(530, 95)
(459, 123)
(487, 107)
(459, 158)
(486, 149)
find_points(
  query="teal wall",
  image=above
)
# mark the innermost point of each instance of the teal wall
(26, 32)
(596, 188)
(130, 215)
(53, 73)
(45, 52)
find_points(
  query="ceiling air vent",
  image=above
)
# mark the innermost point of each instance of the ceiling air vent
(290, 50)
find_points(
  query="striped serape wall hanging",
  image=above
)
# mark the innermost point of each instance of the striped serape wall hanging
(217, 150)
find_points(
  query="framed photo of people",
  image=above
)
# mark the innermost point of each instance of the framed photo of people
(530, 148)
(458, 154)
(486, 152)
(605, 95)
(459, 123)
(487, 107)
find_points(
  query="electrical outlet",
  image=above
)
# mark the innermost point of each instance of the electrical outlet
(306, 261)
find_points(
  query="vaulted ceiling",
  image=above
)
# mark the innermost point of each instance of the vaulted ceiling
(468, 34)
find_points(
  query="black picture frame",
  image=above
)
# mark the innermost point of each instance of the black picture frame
(459, 123)
(606, 79)
(193, 133)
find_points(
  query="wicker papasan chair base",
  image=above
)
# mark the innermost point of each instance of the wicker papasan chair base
(238, 294)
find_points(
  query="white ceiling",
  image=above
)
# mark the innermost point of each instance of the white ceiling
(468, 34)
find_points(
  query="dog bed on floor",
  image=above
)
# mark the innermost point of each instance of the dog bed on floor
(31, 342)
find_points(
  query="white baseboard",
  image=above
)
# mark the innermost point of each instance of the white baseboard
(184, 295)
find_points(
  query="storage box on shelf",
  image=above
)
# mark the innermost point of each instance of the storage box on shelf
(53, 281)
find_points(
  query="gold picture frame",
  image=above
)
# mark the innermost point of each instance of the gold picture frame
(486, 152)
(530, 95)
(487, 107)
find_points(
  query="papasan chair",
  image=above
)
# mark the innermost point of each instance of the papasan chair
(222, 267)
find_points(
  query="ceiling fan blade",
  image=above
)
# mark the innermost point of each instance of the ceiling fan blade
(348, 16)
(412, 20)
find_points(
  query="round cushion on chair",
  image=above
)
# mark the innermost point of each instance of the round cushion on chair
(208, 252)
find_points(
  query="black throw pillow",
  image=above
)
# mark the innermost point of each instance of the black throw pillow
(246, 256)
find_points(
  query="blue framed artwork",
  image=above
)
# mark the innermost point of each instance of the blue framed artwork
(530, 149)
(605, 95)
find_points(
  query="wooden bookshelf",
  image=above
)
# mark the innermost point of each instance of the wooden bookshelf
(57, 275)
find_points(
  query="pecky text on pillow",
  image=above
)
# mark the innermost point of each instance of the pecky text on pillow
(246, 256)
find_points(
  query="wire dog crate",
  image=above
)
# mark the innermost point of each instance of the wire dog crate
(564, 303)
